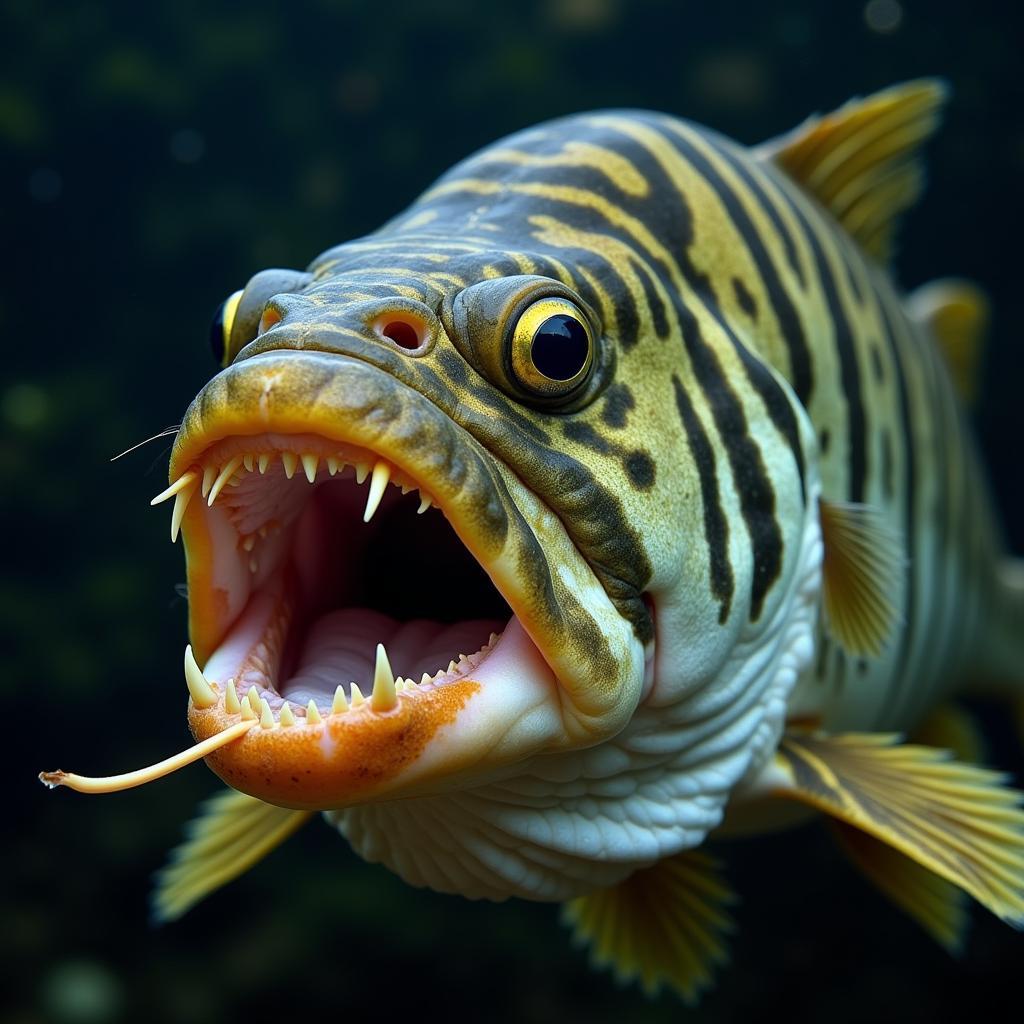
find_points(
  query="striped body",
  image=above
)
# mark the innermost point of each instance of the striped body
(662, 392)
(707, 265)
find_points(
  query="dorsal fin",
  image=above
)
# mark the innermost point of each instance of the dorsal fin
(956, 314)
(863, 160)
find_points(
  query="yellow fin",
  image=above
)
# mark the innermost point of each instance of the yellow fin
(956, 314)
(958, 820)
(232, 832)
(937, 905)
(862, 161)
(863, 571)
(950, 727)
(664, 924)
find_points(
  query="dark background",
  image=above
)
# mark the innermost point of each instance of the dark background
(153, 158)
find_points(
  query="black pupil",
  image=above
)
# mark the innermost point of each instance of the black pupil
(560, 347)
(217, 333)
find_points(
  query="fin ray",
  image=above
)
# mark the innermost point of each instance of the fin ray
(957, 820)
(936, 904)
(956, 315)
(862, 576)
(664, 924)
(862, 161)
(231, 833)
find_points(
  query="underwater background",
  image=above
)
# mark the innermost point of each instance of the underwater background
(153, 157)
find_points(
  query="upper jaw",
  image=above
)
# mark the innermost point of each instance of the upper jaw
(519, 700)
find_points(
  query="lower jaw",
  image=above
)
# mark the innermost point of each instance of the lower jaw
(493, 709)
(493, 703)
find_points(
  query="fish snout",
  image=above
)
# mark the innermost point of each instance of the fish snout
(402, 326)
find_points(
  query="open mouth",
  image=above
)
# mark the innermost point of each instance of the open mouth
(379, 606)
(353, 589)
(369, 593)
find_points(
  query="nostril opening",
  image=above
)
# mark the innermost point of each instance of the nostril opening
(270, 317)
(402, 333)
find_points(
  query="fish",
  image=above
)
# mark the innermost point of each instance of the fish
(608, 502)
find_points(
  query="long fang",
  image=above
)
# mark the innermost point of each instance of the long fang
(115, 783)
(378, 482)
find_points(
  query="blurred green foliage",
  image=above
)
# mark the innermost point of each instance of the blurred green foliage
(154, 157)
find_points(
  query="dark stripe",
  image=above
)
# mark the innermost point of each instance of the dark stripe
(716, 526)
(849, 369)
(780, 410)
(654, 302)
(757, 497)
(771, 209)
(744, 299)
(782, 304)
(900, 675)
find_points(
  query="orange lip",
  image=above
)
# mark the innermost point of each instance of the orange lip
(344, 759)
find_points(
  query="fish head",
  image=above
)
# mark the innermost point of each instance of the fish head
(515, 611)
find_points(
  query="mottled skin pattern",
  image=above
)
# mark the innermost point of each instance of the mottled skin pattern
(748, 358)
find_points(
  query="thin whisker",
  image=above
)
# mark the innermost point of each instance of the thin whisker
(163, 433)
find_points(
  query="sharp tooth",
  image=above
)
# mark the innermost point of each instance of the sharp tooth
(492, 639)
(231, 702)
(224, 476)
(405, 488)
(203, 695)
(362, 471)
(287, 716)
(313, 713)
(310, 464)
(425, 502)
(181, 500)
(332, 465)
(290, 460)
(399, 684)
(247, 712)
(384, 693)
(262, 461)
(340, 703)
(249, 542)
(451, 667)
(381, 476)
(247, 461)
(254, 565)
(184, 482)
(253, 696)
(424, 679)
(266, 715)
(209, 475)
(357, 695)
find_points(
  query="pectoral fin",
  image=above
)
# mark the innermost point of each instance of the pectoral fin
(957, 820)
(937, 905)
(664, 924)
(231, 834)
(863, 570)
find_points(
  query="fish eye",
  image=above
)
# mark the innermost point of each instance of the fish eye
(220, 327)
(552, 348)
